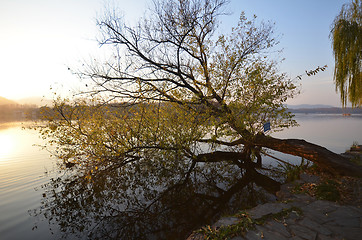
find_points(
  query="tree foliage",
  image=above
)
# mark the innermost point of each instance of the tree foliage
(347, 44)
(182, 90)
(184, 86)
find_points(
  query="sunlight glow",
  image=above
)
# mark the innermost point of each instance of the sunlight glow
(7, 145)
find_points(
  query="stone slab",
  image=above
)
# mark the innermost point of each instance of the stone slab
(268, 208)
(278, 227)
(263, 233)
(226, 221)
(303, 232)
(307, 222)
(345, 232)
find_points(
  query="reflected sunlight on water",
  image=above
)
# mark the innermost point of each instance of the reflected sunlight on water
(7, 145)
(22, 170)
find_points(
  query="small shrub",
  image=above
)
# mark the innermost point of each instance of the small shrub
(244, 224)
(328, 191)
(226, 232)
(292, 172)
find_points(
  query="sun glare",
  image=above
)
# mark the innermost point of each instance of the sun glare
(7, 145)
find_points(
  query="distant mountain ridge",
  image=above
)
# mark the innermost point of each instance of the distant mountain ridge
(322, 109)
(35, 100)
(309, 106)
(38, 101)
(5, 101)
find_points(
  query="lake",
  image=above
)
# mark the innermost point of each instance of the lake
(24, 168)
(333, 131)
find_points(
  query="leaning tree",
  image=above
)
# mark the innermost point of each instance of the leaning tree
(174, 118)
(183, 90)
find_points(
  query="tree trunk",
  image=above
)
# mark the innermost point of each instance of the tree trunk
(321, 156)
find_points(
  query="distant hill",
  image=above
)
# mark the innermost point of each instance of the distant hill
(38, 101)
(35, 101)
(330, 110)
(308, 106)
(322, 109)
(5, 101)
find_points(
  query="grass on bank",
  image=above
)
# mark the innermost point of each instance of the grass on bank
(244, 224)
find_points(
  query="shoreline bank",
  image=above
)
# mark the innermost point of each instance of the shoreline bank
(292, 216)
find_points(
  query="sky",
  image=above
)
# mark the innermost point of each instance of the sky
(40, 39)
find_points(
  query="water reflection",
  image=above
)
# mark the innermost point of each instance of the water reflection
(6, 125)
(22, 168)
(162, 198)
(335, 132)
(8, 140)
(7, 143)
(148, 200)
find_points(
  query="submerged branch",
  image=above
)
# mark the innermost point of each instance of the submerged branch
(219, 156)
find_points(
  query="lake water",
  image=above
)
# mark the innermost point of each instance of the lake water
(23, 168)
(333, 131)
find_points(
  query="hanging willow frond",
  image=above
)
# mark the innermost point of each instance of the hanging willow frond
(346, 36)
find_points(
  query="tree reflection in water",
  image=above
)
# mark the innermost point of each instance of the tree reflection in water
(148, 200)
